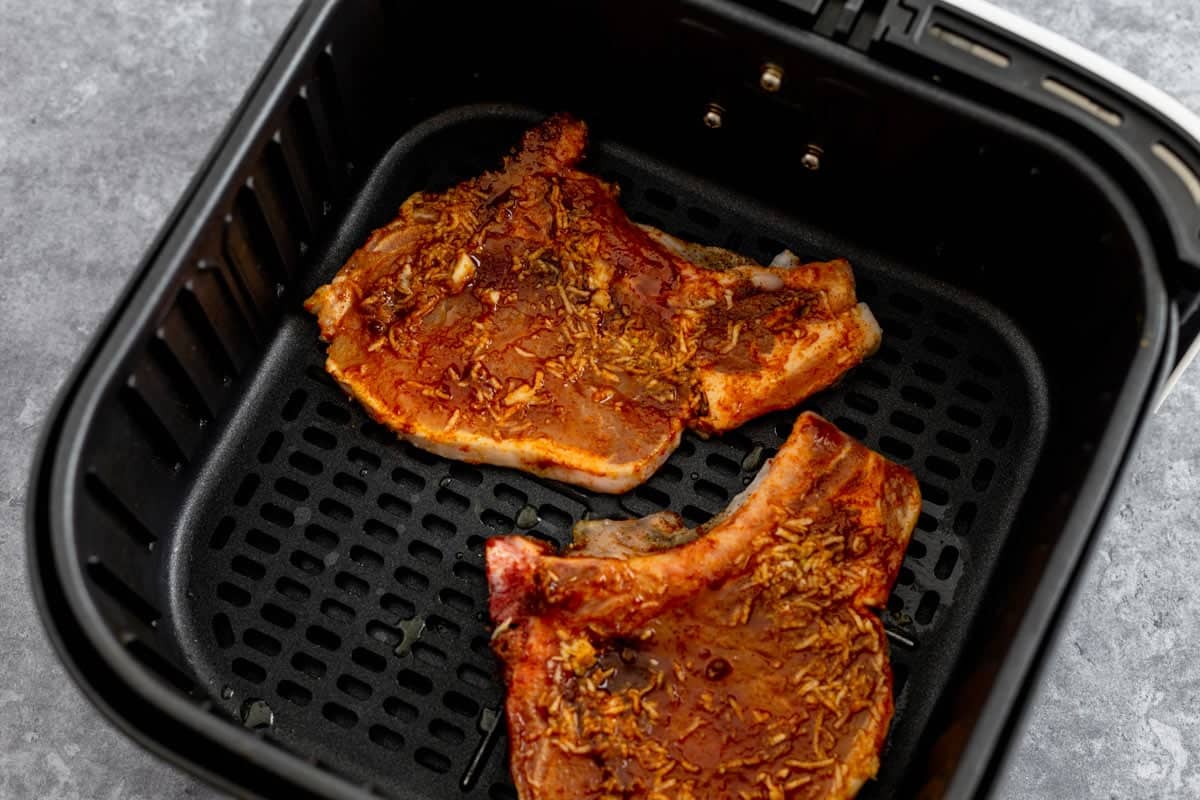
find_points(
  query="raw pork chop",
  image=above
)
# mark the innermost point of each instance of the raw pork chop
(521, 319)
(737, 661)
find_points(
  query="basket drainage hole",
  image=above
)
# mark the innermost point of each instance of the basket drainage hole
(291, 589)
(365, 459)
(432, 760)
(305, 463)
(397, 606)
(466, 474)
(349, 484)
(339, 715)
(711, 491)
(366, 557)
(460, 704)
(294, 692)
(310, 666)
(496, 521)
(378, 530)
(964, 416)
(414, 682)
(424, 552)
(246, 489)
(280, 517)
(895, 448)
(952, 441)
(926, 608)
(263, 643)
(473, 676)
(452, 500)
(234, 595)
(907, 422)
(411, 579)
(351, 584)
(945, 563)
(221, 533)
(335, 511)
(852, 427)
(293, 406)
(861, 402)
(964, 519)
(324, 539)
(447, 732)
(248, 670)
(279, 617)
(355, 688)
(456, 600)
(223, 631)
(399, 709)
(248, 568)
(983, 475)
(320, 438)
(368, 660)
(339, 612)
(333, 413)
(307, 563)
(291, 490)
(429, 654)
(270, 447)
(723, 465)
(394, 505)
(323, 637)
(386, 738)
(262, 541)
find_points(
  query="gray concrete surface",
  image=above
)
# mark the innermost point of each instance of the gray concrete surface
(106, 110)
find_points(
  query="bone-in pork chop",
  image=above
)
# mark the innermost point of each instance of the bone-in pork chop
(520, 318)
(741, 660)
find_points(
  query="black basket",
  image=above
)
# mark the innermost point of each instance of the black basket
(260, 583)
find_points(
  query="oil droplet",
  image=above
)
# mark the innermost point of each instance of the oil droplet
(695, 476)
(226, 692)
(717, 669)
(364, 472)
(410, 631)
(527, 517)
(256, 714)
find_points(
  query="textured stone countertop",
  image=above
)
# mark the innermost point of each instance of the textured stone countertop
(106, 110)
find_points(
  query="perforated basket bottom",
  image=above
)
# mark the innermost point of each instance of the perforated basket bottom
(340, 579)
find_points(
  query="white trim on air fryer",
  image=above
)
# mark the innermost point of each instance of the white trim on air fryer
(1106, 71)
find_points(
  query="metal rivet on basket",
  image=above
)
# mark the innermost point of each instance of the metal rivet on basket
(713, 116)
(771, 78)
(811, 160)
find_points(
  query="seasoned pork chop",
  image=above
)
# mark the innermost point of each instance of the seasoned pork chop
(520, 318)
(741, 660)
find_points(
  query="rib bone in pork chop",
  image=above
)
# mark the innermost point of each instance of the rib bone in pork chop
(741, 660)
(520, 318)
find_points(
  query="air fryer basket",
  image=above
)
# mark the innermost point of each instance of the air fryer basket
(260, 583)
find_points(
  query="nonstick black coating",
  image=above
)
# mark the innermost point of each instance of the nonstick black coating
(337, 578)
